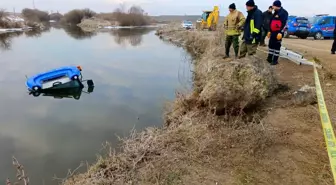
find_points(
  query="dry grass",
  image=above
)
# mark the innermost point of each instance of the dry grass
(197, 146)
(236, 85)
(93, 24)
(201, 144)
(226, 85)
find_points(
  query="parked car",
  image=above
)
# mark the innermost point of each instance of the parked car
(187, 24)
(297, 26)
(322, 26)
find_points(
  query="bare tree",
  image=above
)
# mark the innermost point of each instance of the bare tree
(135, 16)
(118, 10)
(136, 10)
(74, 17)
(3, 13)
(88, 13)
(20, 173)
(35, 15)
(122, 7)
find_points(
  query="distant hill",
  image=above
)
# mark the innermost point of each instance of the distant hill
(169, 18)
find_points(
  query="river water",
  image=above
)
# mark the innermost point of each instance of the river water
(134, 73)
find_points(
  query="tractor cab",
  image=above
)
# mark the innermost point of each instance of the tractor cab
(205, 15)
(209, 20)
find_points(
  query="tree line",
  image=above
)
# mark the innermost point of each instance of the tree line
(134, 16)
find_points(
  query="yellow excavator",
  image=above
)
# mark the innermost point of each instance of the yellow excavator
(209, 20)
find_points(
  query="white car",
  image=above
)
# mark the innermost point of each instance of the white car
(187, 24)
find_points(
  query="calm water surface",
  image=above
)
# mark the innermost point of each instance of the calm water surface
(134, 74)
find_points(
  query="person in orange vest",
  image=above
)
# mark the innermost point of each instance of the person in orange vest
(277, 28)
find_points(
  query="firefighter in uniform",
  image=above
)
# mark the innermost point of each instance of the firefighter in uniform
(252, 28)
(277, 25)
(233, 24)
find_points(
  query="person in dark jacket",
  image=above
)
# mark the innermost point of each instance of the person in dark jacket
(277, 25)
(333, 48)
(252, 30)
(267, 15)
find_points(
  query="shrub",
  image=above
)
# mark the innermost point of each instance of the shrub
(35, 15)
(107, 16)
(74, 17)
(55, 16)
(134, 17)
(3, 14)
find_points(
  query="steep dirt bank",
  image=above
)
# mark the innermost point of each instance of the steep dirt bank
(243, 124)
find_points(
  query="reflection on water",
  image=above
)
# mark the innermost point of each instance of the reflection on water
(133, 37)
(6, 39)
(50, 136)
(122, 37)
(77, 33)
(37, 33)
(74, 93)
(56, 25)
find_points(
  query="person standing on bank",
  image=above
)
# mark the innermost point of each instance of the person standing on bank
(252, 30)
(277, 25)
(267, 15)
(333, 48)
(233, 23)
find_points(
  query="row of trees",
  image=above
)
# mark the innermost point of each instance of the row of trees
(134, 16)
(6, 24)
(31, 16)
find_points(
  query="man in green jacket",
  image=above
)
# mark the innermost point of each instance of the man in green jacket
(233, 23)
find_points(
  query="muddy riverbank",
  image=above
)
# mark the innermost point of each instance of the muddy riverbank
(244, 123)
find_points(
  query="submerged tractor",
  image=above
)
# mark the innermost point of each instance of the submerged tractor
(209, 20)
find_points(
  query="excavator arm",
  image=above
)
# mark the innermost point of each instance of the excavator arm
(209, 19)
(213, 19)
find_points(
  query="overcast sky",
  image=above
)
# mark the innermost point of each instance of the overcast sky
(172, 7)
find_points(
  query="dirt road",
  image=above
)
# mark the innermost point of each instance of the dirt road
(317, 48)
(301, 149)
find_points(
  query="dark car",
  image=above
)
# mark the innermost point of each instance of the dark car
(297, 26)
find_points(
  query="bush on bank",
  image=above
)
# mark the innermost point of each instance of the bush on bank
(3, 14)
(35, 15)
(75, 17)
(56, 16)
(135, 16)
